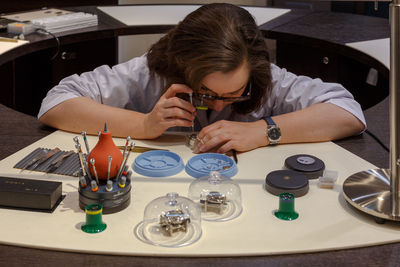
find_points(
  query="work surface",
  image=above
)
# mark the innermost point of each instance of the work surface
(326, 221)
(19, 130)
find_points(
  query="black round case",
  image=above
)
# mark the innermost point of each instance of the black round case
(311, 166)
(287, 181)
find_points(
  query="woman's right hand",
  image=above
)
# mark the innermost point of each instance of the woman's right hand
(169, 111)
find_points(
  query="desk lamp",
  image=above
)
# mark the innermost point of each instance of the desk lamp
(376, 191)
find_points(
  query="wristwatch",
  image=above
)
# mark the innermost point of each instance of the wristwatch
(273, 131)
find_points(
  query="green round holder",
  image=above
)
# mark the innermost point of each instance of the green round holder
(286, 207)
(94, 223)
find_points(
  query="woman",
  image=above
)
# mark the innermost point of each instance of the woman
(218, 56)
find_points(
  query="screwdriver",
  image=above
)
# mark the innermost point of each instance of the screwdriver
(109, 167)
(126, 146)
(92, 161)
(191, 102)
(45, 157)
(86, 142)
(41, 154)
(57, 163)
(140, 149)
(81, 160)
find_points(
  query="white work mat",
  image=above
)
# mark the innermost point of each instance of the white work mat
(6, 44)
(326, 221)
(171, 14)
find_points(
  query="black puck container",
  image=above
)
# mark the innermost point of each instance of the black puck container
(286, 181)
(309, 165)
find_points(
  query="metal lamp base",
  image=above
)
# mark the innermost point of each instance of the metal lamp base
(369, 191)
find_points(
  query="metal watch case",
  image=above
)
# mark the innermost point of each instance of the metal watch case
(273, 134)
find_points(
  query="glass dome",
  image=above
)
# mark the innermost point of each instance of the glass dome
(170, 221)
(218, 197)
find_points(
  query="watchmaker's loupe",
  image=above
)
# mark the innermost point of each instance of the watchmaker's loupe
(219, 197)
(170, 221)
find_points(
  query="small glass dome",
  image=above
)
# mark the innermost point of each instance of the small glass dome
(170, 221)
(219, 197)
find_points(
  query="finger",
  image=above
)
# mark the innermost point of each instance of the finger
(173, 122)
(212, 143)
(178, 113)
(228, 146)
(208, 130)
(177, 88)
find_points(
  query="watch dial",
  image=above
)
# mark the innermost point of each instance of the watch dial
(274, 133)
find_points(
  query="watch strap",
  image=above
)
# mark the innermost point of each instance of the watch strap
(269, 120)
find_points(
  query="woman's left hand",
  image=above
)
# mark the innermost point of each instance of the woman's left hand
(223, 136)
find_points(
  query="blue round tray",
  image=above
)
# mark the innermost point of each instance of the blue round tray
(202, 164)
(158, 163)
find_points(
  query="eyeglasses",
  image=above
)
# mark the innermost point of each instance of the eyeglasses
(202, 97)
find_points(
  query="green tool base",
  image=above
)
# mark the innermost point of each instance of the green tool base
(93, 229)
(287, 216)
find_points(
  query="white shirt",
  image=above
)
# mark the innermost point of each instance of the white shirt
(130, 86)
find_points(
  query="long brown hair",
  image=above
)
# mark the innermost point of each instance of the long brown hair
(214, 38)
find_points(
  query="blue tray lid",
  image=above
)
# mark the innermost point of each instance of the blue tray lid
(158, 163)
(202, 164)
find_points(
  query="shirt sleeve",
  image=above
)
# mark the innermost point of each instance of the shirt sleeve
(119, 86)
(291, 93)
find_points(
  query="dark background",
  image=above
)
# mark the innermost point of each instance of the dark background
(356, 7)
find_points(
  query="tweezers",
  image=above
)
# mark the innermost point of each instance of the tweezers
(140, 149)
